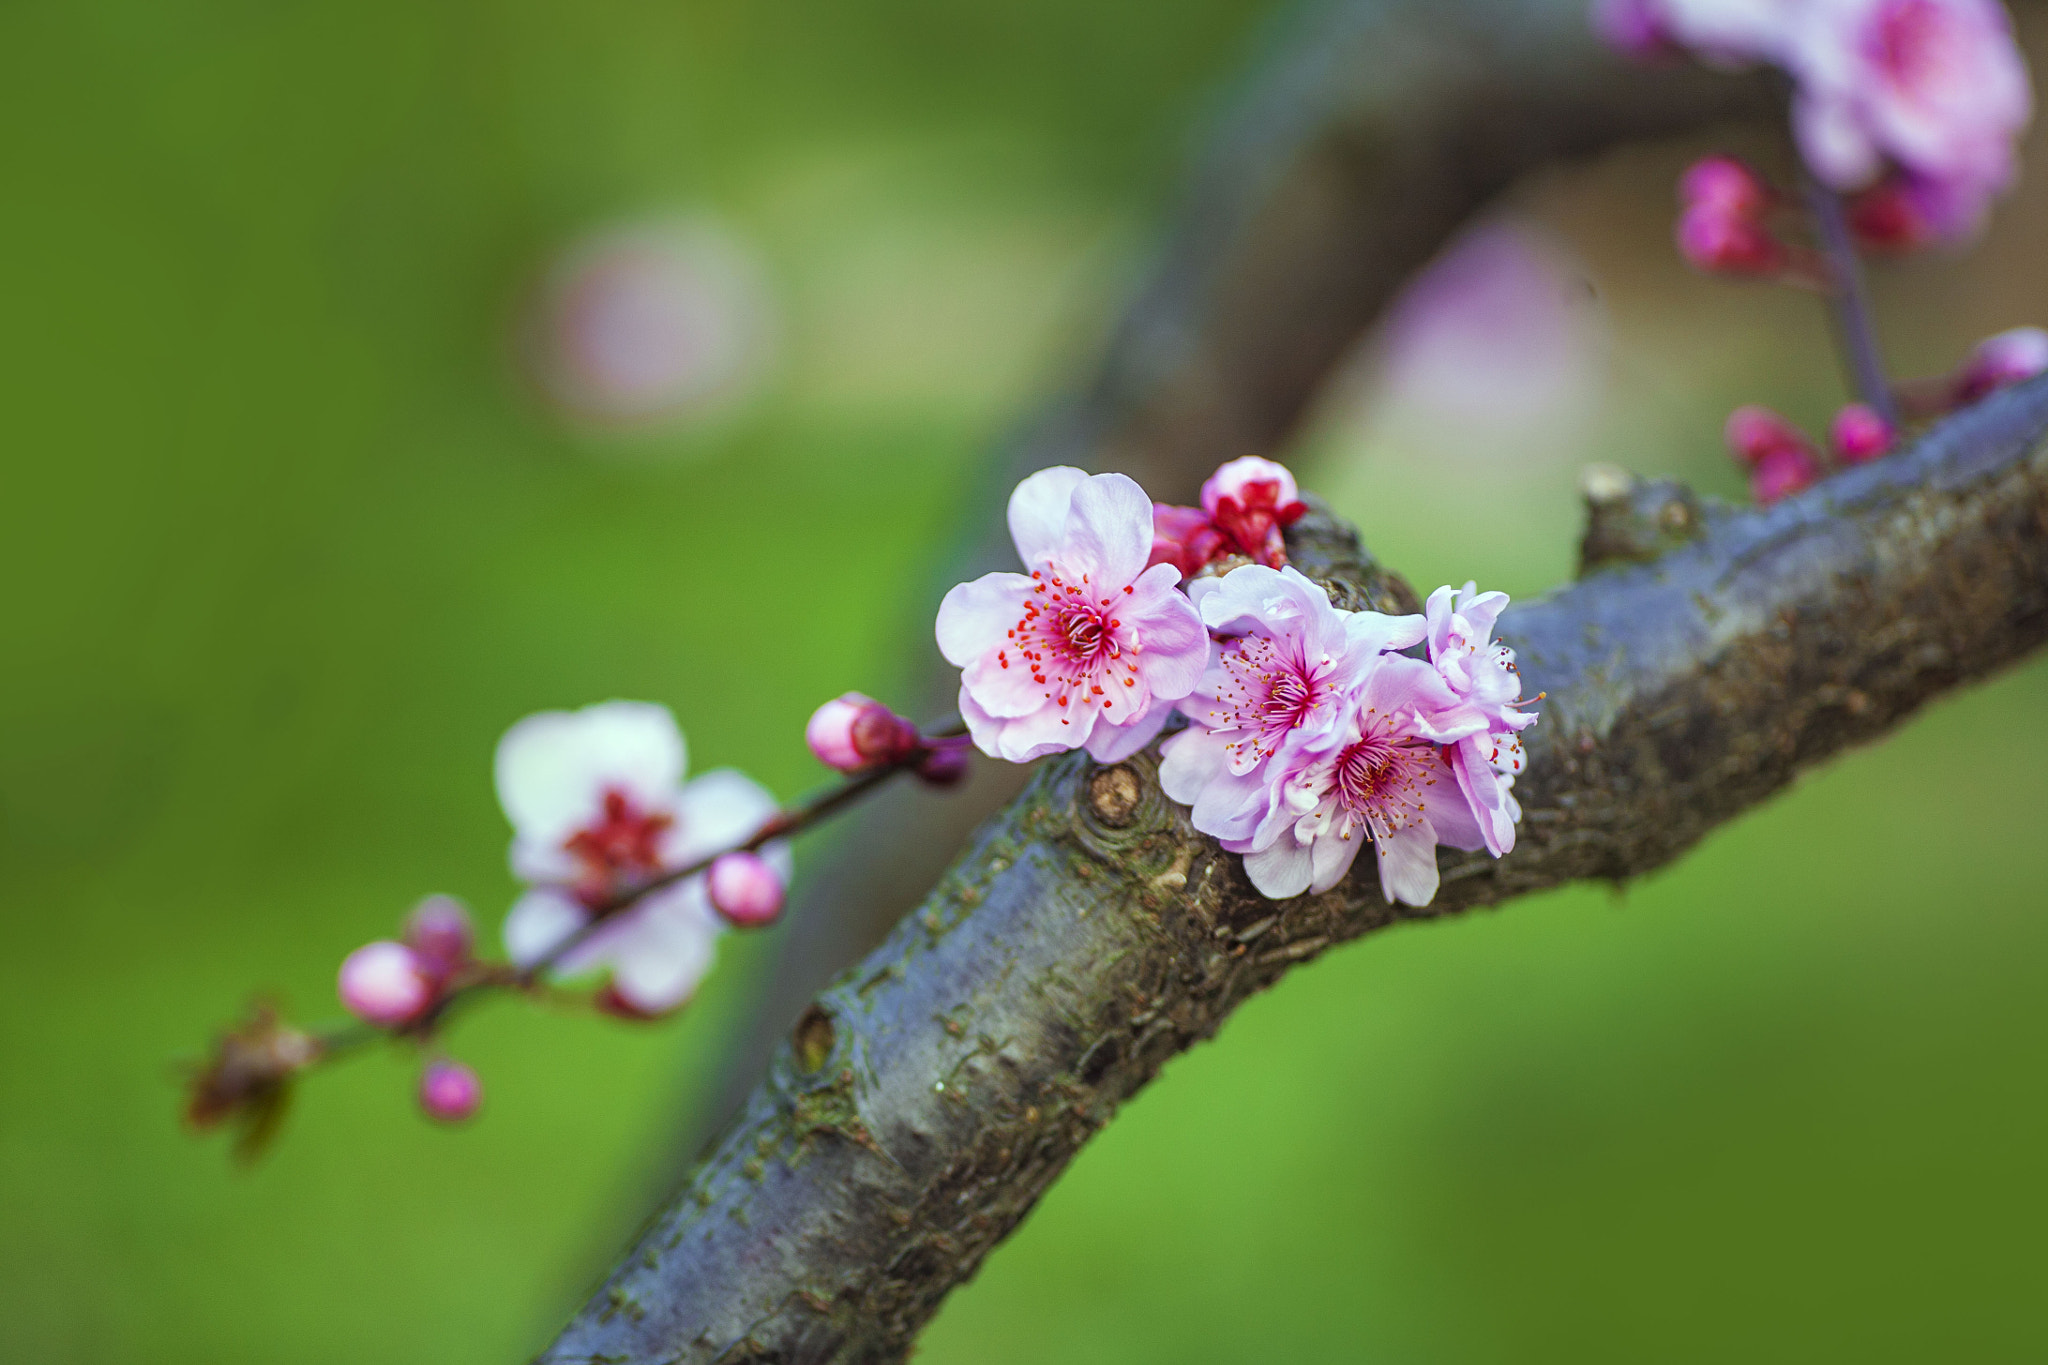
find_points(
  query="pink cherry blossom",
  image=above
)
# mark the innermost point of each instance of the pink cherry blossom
(1936, 87)
(449, 1091)
(1286, 670)
(598, 806)
(383, 983)
(1383, 780)
(1482, 674)
(1091, 648)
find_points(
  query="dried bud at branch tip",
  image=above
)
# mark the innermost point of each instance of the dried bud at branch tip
(745, 889)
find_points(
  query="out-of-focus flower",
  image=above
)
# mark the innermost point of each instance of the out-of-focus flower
(1858, 435)
(1286, 670)
(745, 888)
(439, 933)
(1384, 780)
(449, 1091)
(852, 733)
(1721, 222)
(1482, 675)
(1935, 87)
(1999, 361)
(1092, 648)
(1781, 473)
(1781, 459)
(248, 1079)
(654, 323)
(599, 808)
(1635, 28)
(385, 984)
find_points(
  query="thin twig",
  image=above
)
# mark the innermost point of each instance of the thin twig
(1850, 303)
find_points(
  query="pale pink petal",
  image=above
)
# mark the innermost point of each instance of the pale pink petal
(1280, 870)
(1331, 857)
(1109, 533)
(674, 946)
(1407, 859)
(1112, 741)
(1038, 515)
(537, 922)
(973, 616)
(1833, 142)
(1370, 630)
(1482, 791)
(1173, 649)
(715, 812)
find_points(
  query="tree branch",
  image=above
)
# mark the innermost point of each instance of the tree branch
(1088, 934)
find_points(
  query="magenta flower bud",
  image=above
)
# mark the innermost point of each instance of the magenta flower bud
(1722, 242)
(2001, 360)
(1633, 28)
(1859, 435)
(1724, 183)
(945, 765)
(383, 983)
(853, 733)
(1754, 432)
(439, 933)
(449, 1091)
(1782, 472)
(745, 889)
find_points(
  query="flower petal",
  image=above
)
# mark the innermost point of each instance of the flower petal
(973, 616)
(1109, 532)
(537, 922)
(553, 767)
(1408, 864)
(1038, 514)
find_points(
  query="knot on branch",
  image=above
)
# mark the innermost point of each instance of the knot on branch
(1630, 520)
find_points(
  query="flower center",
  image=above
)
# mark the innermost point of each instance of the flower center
(1381, 782)
(624, 839)
(1270, 692)
(1075, 648)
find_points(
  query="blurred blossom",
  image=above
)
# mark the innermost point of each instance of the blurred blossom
(1500, 332)
(450, 1091)
(654, 324)
(2007, 358)
(1858, 434)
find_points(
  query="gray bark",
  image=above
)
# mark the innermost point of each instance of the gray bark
(931, 1094)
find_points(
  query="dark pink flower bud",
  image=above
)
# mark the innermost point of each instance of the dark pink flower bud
(438, 931)
(1723, 182)
(853, 733)
(1782, 472)
(2001, 360)
(1859, 435)
(1754, 432)
(1634, 28)
(1185, 538)
(946, 764)
(1249, 500)
(449, 1091)
(745, 889)
(1723, 242)
(383, 983)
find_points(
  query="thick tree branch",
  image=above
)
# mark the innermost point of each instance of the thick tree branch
(1088, 934)
(1368, 135)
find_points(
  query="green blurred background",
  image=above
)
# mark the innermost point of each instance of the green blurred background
(288, 542)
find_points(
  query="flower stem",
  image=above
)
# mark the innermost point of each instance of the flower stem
(1850, 303)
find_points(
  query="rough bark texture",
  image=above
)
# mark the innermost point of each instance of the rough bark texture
(1369, 134)
(930, 1095)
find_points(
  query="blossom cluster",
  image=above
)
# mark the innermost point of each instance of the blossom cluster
(1914, 106)
(1310, 732)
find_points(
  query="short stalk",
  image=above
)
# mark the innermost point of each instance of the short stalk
(1850, 303)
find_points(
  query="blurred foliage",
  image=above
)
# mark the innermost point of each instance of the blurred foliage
(289, 545)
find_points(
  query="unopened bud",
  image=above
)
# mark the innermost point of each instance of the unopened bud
(439, 933)
(1859, 435)
(1634, 28)
(1724, 183)
(945, 765)
(383, 983)
(745, 889)
(853, 733)
(1783, 472)
(2001, 360)
(1754, 432)
(449, 1091)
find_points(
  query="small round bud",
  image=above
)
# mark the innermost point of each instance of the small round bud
(1721, 241)
(383, 983)
(1859, 435)
(945, 765)
(1783, 472)
(745, 889)
(1634, 28)
(449, 1091)
(439, 933)
(1723, 182)
(1754, 432)
(2001, 360)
